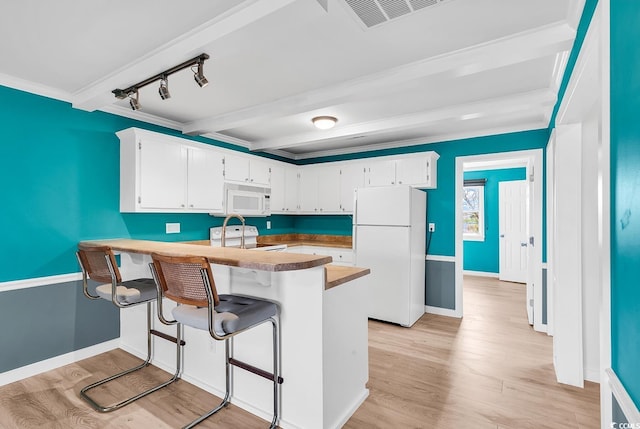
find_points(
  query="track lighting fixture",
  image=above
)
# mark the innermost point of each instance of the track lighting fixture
(134, 102)
(163, 77)
(164, 88)
(198, 75)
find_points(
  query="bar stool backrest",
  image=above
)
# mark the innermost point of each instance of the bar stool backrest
(94, 261)
(184, 279)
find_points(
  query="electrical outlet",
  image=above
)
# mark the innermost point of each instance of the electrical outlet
(268, 224)
(172, 228)
(432, 227)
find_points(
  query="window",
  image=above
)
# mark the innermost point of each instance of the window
(473, 212)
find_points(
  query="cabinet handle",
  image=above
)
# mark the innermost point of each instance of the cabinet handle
(181, 205)
(400, 182)
(251, 180)
(191, 205)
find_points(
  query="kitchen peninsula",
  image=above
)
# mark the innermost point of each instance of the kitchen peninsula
(323, 330)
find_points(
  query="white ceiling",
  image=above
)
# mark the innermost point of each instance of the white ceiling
(454, 69)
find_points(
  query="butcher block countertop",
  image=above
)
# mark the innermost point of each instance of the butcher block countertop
(343, 241)
(251, 259)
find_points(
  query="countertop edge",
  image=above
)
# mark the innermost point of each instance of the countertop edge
(336, 275)
(263, 261)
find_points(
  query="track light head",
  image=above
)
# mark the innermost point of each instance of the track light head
(198, 76)
(134, 102)
(164, 88)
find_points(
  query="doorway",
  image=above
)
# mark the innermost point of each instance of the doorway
(532, 161)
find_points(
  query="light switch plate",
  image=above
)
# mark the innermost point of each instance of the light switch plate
(173, 228)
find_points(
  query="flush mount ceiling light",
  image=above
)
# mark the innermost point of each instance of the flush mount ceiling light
(164, 88)
(324, 122)
(164, 83)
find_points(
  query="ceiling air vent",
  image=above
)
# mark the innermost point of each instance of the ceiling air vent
(375, 12)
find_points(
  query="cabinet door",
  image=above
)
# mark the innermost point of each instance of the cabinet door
(328, 190)
(278, 192)
(291, 188)
(411, 170)
(163, 178)
(308, 190)
(236, 168)
(259, 172)
(351, 177)
(205, 179)
(381, 173)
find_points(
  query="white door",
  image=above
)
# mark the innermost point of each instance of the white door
(513, 231)
(351, 178)
(328, 189)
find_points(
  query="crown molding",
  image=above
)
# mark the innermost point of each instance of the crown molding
(34, 88)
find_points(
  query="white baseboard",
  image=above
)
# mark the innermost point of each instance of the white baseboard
(627, 405)
(481, 274)
(39, 281)
(440, 258)
(591, 374)
(441, 311)
(56, 362)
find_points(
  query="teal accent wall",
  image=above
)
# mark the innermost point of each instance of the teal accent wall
(484, 255)
(60, 175)
(325, 224)
(441, 201)
(625, 194)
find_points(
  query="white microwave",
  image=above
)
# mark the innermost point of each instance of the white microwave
(247, 200)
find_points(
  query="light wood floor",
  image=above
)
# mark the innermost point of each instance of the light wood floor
(488, 370)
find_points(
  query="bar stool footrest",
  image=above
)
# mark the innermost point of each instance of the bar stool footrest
(254, 370)
(167, 337)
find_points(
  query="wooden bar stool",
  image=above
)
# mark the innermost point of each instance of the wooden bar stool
(99, 264)
(189, 282)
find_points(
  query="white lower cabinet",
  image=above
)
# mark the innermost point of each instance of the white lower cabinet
(341, 256)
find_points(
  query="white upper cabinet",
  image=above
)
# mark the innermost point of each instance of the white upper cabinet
(246, 170)
(162, 180)
(416, 170)
(308, 190)
(205, 179)
(351, 178)
(328, 189)
(320, 189)
(380, 173)
(292, 185)
(284, 189)
(160, 173)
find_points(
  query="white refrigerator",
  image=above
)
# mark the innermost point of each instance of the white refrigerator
(389, 236)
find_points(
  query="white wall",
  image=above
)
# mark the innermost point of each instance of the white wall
(590, 260)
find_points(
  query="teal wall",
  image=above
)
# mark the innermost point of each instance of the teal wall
(60, 170)
(484, 255)
(625, 194)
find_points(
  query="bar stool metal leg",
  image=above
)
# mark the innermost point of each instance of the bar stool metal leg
(179, 343)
